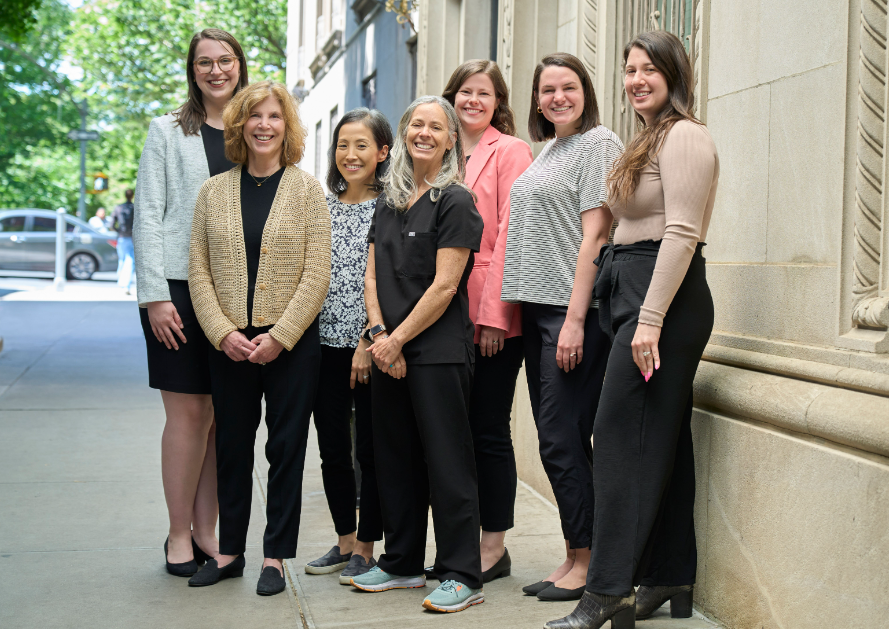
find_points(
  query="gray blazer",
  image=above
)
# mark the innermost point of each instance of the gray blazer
(171, 171)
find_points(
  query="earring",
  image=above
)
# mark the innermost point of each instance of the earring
(539, 110)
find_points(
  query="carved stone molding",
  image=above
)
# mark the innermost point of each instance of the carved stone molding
(422, 48)
(504, 37)
(588, 35)
(869, 308)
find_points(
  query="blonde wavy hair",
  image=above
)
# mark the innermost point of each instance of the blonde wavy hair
(399, 184)
(236, 113)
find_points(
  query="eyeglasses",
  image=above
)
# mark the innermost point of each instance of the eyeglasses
(204, 65)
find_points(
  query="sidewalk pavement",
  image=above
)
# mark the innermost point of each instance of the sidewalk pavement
(84, 520)
(103, 287)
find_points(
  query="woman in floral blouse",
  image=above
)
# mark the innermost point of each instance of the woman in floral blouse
(358, 158)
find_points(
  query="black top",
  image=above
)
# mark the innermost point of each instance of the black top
(256, 203)
(214, 147)
(122, 219)
(405, 247)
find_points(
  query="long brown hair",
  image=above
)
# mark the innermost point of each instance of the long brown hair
(191, 115)
(539, 128)
(504, 118)
(669, 57)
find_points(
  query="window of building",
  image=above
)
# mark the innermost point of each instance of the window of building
(369, 91)
(319, 150)
(334, 120)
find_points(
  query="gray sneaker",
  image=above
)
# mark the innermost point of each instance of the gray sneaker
(331, 562)
(357, 565)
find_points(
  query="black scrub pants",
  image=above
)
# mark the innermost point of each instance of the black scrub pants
(289, 384)
(644, 462)
(564, 407)
(424, 454)
(333, 413)
(490, 408)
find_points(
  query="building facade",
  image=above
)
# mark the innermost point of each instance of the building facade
(344, 54)
(792, 399)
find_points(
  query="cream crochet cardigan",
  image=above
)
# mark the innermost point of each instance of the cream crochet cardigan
(294, 265)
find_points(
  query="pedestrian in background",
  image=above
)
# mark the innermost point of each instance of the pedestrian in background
(423, 233)
(358, 158)
(100, 223)
(183, 149)
(122, 222)
(494, 159)
(558, 220)
(656, 304)
(258, 273)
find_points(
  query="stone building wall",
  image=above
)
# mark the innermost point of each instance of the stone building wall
(791, 424)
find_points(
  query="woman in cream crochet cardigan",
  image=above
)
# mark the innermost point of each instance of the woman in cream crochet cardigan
(258, 272)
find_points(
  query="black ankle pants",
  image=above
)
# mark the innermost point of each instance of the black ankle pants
(490, 408)
(644, 462)
(333, 413)
(288, 384)
(564, 407)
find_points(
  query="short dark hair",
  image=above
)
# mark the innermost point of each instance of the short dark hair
(379, 127)
(128, 193)
(539, 128)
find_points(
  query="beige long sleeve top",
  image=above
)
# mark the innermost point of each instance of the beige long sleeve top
(294, 265)
(673, 202)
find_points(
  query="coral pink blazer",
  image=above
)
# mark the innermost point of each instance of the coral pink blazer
(496, 163)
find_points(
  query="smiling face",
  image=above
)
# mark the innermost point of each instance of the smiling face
(264, 129)
(217, 85)
(475, 102)
(646, 87)
(428, 137)
(560, 97)
(357, 155)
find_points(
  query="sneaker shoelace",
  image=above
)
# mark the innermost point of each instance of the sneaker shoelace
(450, 586)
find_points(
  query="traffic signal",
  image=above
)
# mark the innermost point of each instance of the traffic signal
(100, 184)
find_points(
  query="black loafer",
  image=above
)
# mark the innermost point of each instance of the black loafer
(270, 582)
(200, 556)
(503, 568)
(553, 593)
(212, 574)
(536, 588)
(185, 569)
(430, 573)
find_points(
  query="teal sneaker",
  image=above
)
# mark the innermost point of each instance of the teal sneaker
(453, 596)
(375, 580)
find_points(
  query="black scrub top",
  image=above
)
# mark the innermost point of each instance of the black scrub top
(405, 247)
(214, 149)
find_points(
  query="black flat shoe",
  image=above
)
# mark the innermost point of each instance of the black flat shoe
(650, 598)
(536, 588)
(213, 574)
(594, 610)
(503, 568)
(430, 573)
(270, 582)
(200, 556)
(185, 569)
(553, 593)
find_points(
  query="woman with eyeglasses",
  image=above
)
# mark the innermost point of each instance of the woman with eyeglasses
(183, 149)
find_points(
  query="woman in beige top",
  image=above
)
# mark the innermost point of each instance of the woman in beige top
(655, 303)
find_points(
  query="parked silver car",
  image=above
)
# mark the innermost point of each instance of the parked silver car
(28, 243)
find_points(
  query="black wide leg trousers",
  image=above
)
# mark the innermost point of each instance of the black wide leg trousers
(424, 454)
(564, 407)
(289, 384)
(644, 462)
(333, 413)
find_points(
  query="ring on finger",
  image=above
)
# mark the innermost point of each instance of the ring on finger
(646, 353)
(572, 355)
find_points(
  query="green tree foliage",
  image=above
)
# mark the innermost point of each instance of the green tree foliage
(132, 54)
(17, 18)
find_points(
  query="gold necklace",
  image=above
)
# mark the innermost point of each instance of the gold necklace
(259, 183)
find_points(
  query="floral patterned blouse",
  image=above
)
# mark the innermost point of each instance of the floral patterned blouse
(343, 315)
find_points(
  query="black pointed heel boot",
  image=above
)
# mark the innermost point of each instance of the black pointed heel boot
(594, 610)
(184, 569)
(650, 598)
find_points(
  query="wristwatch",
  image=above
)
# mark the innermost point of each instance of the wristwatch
(370, 333)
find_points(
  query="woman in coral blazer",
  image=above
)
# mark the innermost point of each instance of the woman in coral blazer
(495, 159)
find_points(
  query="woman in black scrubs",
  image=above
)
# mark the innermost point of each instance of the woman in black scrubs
(424, 232)
(181, 151)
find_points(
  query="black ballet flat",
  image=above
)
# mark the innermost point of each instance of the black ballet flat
(536, 588)
(503, 568)
(650, 598)
(594, 610)
(213, 574)
(553, 593)
(271, 582)
(200, 556)
(185, 569)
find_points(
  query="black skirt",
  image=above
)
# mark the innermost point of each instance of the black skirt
(186, 370)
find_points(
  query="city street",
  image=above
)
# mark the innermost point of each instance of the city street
(83, 518)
